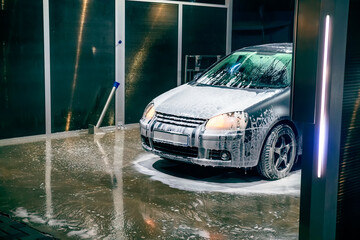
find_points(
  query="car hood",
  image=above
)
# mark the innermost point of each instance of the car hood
(208, 101)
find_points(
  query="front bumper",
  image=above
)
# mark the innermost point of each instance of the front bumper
(202, 147)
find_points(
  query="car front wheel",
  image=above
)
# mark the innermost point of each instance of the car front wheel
(278, 153)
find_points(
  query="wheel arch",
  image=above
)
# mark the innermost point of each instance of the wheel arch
(280, 121)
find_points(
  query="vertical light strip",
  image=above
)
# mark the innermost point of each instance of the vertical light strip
(229, 4)
(46, 25)
(120, 62)
(77, 61)
(323, 115)
(180, 27)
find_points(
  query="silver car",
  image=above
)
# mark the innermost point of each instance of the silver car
(235, 114)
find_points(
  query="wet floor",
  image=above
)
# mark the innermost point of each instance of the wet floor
(81, 187)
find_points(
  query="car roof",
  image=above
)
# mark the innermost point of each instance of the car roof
(272, 47)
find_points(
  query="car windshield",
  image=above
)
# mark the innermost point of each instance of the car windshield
(250, 70)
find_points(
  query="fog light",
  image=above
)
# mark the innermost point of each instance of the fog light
(225, 155)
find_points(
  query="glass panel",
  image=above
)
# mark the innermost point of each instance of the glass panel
(82, 62)
(222, 2)
(258, 22)
(151, 54)
(22, 96)
(204, 33)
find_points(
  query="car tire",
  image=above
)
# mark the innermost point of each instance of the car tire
(278, 153)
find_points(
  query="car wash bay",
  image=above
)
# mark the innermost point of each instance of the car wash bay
(62, 181)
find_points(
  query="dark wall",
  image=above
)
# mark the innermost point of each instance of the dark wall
(82, 48)
(150, 54)
(22, 96)
(204, 31)
(260, 21)
(348, 211)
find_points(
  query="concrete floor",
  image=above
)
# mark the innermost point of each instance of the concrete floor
(80, 187)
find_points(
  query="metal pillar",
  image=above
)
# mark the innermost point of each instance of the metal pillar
(47, 66)
(120, 62)
(180, 27)
(229, 4)
(320, 45)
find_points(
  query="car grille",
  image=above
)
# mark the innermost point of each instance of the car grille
(176, 150)
(215, 154)
(179, 120)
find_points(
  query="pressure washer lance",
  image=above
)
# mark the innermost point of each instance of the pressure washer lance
(95, 129)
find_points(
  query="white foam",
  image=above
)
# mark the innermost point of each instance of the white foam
(286, 186)
(21, 212)
(85, 233)
(29, 217)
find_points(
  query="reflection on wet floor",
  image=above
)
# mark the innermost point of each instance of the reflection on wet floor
(109, 188)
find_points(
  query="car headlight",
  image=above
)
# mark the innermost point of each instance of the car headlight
(228, 121)
(149, 112)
